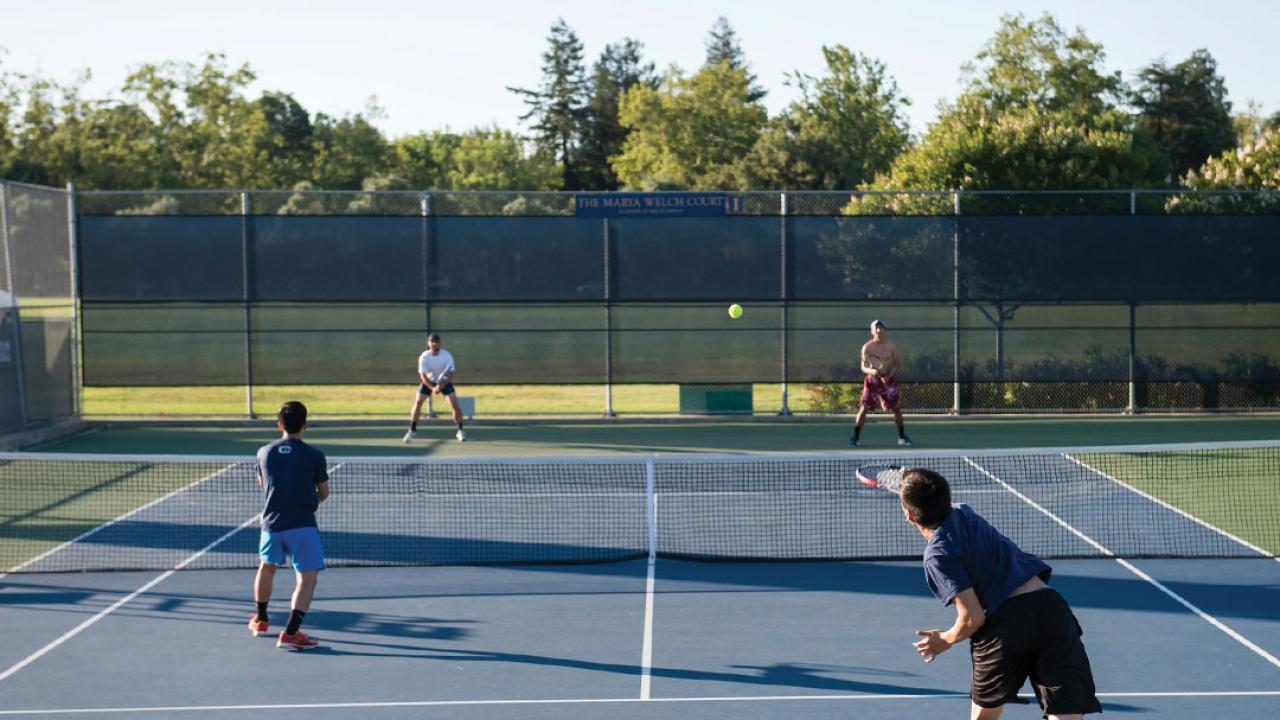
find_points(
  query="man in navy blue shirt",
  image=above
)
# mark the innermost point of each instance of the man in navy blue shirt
(1017, 626)
(294, 482)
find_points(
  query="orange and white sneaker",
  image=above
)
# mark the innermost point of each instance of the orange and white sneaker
(257, 627)
(296, 641)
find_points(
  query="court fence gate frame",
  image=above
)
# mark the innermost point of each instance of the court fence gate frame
(1057, 301)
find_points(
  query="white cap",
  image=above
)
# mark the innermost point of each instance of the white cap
(879, 322)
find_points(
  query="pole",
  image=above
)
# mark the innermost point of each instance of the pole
(608, 328)
(424, 206)
(786, 410)
(246, 295)
(955, 321)
(73, 248)
(1133, 326)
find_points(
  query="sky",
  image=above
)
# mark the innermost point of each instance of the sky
(432, 65)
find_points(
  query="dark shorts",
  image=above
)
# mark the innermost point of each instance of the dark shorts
(879, 393)
(1037, 636)
(446, 389)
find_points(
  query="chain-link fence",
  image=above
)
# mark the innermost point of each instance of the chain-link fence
(38, 352)
(1000, 301)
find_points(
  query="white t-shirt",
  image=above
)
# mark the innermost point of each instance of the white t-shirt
(435, 366)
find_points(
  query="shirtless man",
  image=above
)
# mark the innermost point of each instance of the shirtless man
(879, 388)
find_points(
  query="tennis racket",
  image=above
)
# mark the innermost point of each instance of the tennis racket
(883, 477)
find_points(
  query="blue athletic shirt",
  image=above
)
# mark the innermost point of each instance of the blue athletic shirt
(290, 471)
(965, 552)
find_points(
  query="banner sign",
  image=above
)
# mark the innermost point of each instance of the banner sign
(652, 204)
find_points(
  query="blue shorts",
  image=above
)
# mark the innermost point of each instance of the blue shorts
(445, 389)
(301, 545)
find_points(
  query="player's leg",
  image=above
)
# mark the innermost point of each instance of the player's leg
(902, 431)
(452, 396)
(977, 712)
(262, 585)
(308, 560)
(415, 412)
(889, 399)
(865, 402)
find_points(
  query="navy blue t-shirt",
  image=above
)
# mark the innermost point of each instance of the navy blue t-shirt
(965, 552)
(290, 471)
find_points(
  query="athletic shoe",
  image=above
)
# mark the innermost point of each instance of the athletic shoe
(409, 436)
(296, 641)
(461, 435)
(853, 442)
(905, 441)
(258, 627)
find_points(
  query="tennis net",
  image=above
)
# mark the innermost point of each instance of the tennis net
(61, 512)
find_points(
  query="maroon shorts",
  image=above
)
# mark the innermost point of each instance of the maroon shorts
(879, 393)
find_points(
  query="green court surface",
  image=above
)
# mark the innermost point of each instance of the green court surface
(435, 438)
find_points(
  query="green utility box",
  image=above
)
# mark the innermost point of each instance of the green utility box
(705, 399)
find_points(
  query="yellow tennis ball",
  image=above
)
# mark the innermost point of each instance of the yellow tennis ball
(735, 311)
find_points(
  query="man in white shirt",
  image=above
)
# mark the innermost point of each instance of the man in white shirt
(435, 373)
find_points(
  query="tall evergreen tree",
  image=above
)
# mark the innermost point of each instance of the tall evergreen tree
(1185, 108)
(558, 108)
(723, 46)
(620, 67)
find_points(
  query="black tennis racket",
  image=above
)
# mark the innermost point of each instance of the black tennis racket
(883, 477)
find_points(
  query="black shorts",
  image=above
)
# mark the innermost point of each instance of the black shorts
(1033, 635)
(446, 389)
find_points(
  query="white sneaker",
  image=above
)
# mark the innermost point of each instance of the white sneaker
(461, 435)
(904, 441)
(409, 436)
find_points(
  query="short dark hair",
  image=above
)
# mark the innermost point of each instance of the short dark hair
(292, 416)
(433, 336)
(926, 496)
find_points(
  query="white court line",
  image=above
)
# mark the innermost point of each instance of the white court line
(646, 652)
(120, 603)
(609, 701)
(108, 524)
(1171, 508)
(1133, 569)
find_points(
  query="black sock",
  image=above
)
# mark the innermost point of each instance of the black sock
(413, 426)
(856, 432)
(262, 611)
(902, 432)
(459, 426)
(295, 622)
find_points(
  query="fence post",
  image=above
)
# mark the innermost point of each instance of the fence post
(424, 207)
(786, 409)
(73, 248)
(1133, 328)
(955, 320)
(20, 373)
(608, 326)
(246, 296)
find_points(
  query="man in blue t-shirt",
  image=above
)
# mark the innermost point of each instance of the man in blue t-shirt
(1018, 627)
(294, 482)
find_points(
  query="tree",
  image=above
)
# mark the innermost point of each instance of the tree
(1250, 123)
(559, 107)
(846, 127)
(691, 132)
(347, 150)
(1185, 108)
(620, 67)
(723, 47)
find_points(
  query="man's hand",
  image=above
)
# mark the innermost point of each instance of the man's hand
(931, 644)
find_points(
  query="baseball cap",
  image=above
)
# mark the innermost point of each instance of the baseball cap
(879, 322)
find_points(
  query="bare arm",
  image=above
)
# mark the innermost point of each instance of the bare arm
(322, 491)
(969, 619)
(867, 369)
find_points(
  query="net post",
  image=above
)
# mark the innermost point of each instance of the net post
(19, 371)
(73, 248)
(786, 409)
(1132, 409)
(955, 289)
(424, 208)
(651, 507)
(246, 296)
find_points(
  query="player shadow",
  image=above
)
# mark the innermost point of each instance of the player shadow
(781, 675)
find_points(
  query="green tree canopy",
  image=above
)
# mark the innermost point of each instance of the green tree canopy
(621, 66)
(846, 127)
(691, 132)
(558, 108)
(723, 46)
(1185, 108)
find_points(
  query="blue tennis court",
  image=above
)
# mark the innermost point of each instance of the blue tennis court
(552, 606)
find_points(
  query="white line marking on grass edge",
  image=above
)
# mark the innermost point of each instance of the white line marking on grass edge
(607, 701)
(1133, 569)
(108, 524)
(121, 602)
(1172, 508)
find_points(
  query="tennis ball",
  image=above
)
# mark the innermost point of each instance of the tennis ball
(735, 311)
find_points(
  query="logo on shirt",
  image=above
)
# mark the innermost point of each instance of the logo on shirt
(284, 449)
